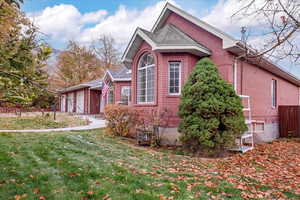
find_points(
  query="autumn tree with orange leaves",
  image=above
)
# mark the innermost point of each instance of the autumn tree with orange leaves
(77, 64)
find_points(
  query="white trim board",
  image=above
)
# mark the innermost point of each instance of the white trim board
(154, 46)
(180, 70)
(228, 41)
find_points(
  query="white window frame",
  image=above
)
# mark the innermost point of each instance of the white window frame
(274, 93)
(146, 81)
(127, 87)
(180, 64)
(107, 96)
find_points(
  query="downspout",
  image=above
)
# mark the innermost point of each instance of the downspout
(235, 74)
(242, 73)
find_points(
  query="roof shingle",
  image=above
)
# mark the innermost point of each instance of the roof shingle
(120, 74)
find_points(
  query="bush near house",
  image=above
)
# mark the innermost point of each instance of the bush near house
(210, 110)
(128, 121)
(121, 120)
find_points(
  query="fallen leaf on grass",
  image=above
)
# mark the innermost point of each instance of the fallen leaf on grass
(90, 192)
(106, 197)
(138, 191)
(36, 190)
(73, 174)
(97, 183)
(209, 184)
(162, 197)
(18, 197)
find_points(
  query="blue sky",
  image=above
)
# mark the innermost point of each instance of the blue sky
(37, 9)
(85, 20)
(110, 5)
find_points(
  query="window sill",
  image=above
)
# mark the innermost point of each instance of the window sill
(145, 105)
(173, 95)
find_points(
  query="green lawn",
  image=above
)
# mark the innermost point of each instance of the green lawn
(90, 165)
(39, 122)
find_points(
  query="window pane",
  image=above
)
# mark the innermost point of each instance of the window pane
(150, 84)
(125, 95)
(174, 77)
(145, 79)
(110, 97)
(150, 59)
(141, 92)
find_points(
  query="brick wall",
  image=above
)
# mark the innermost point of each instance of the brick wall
(117, 89)
(256, 81)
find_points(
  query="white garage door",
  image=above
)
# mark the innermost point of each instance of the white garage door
(63, 103)
(80, 102)
(70, 102)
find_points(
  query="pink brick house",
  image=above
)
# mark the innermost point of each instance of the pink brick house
(162, 59)
(119, 81)
(86, 98)
(82, 98)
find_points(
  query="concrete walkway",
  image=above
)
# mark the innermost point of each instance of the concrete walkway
(95, 124)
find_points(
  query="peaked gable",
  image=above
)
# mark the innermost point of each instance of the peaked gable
(228, 41)
(167, 39)
(122, 74)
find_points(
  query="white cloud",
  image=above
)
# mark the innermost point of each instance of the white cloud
(93, 17)
(123, 23)
(64, 22)
(222, 15)
(58, 21)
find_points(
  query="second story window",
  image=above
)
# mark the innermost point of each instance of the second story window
(174, 78)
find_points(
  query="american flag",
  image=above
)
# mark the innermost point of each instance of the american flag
(105, 90)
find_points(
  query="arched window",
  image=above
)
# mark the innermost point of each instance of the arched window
(145, 79)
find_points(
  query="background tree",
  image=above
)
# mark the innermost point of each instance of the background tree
(22, 57)
(75, 65)
(106, 51)
(211, 112)
(278, 26)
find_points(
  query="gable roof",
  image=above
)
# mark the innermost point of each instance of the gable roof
(172, 37)
(122, 74)
(229, 43)
(167, 39)
(91, 84)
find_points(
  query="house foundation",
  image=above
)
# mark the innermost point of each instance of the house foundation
(268, 133)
